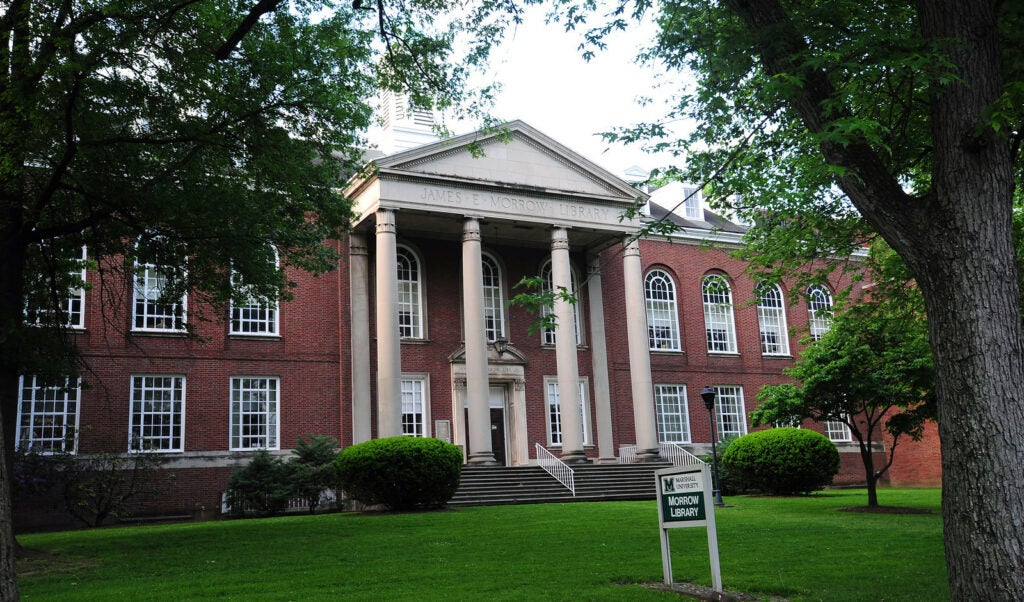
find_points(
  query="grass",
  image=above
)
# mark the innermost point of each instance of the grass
(797, 548)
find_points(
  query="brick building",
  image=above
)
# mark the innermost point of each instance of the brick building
(432, 348)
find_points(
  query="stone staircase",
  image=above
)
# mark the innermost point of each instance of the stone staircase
(496, 485)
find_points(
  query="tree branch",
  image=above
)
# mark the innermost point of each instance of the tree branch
(262, 7)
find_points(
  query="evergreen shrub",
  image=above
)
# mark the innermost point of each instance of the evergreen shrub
(261, 488)
(402, 473)
(782, 461)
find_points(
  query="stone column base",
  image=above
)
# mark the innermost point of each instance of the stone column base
(482, 460)
(574, 457)
(648, 456)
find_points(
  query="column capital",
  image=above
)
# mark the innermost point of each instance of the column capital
(559, 239)
(459, 384)
(357, 245)
(631, 247)
(386, 221)
(471, 229)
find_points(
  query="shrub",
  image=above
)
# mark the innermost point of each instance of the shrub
(91, 488)
(727, 483)
(312, 468)
(783, 461)
(400, 472)
(262, 487)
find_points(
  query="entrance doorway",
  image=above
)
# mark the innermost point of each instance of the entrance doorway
(498, 439)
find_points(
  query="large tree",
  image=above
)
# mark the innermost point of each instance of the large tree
(835, 119)
(203, 136)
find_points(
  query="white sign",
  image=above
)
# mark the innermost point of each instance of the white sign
(684, 500)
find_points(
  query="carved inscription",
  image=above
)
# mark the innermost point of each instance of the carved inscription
(526, 206)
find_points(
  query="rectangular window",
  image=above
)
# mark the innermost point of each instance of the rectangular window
(691, 203)
(555, 413)
(255, 416)
(673, 415)
(71, 312)
(48, 415)
(837, 431)
(414, 406)
(730, 413)
(151, 312)
(157, 414)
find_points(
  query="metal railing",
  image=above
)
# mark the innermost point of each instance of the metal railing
(670, 451)
(556, 468)
(295, 504)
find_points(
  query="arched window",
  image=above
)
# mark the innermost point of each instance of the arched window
(410, 295)
(718, 318)
(819, 310)
(494, 299)
(771, 316)
(548, 334)
(662, 314)
(252, 317)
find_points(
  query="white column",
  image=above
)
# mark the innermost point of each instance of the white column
(565, 351)
(477, 391)
(599, 358)
(359, 306)
(639, 354)
(389, 343)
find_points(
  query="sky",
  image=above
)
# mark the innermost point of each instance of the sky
(547, 84)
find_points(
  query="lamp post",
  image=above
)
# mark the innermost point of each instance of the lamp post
(708, 395)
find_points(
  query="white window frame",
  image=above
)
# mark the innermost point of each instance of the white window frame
(819, 310)
(148, 314)
(48, 415)
(730, 407)
(415, 394)
(411, 324)
(662, 311)
(771, 319)
(673, 410)
(494, 298)
(164, 413)
(554, 411)
(837, 431)
(692, 203)
(549, 335)
(719, 322)
(255, 421)
(73, 306)
(255, 319)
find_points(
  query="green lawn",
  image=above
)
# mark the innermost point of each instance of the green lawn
(798, 548)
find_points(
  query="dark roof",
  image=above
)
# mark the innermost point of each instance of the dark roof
(712, 221)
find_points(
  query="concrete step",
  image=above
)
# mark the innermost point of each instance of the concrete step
(493, 485)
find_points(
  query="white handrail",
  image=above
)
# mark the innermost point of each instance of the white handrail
(670, 451)
(556, 468)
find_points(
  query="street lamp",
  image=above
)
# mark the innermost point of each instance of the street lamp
(501, 345)
(708, 395)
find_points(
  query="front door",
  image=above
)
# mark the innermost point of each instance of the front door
(497, 403)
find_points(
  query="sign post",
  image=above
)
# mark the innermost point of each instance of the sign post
(685, 500)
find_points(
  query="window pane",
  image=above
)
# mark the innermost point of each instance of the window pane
(662, 316)
(157, 413)
(254, 413)
(673, 415)
(730, 413)
(718, 319)
(48, 415)
(771, 316)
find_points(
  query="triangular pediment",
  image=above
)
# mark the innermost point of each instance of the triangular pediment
(514, 156)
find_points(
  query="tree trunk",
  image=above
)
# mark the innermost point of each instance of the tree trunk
(870, 478)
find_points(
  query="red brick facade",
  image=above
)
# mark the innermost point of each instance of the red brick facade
(312, 358)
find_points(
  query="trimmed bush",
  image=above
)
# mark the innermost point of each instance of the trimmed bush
(401, 473)
(782, 461)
